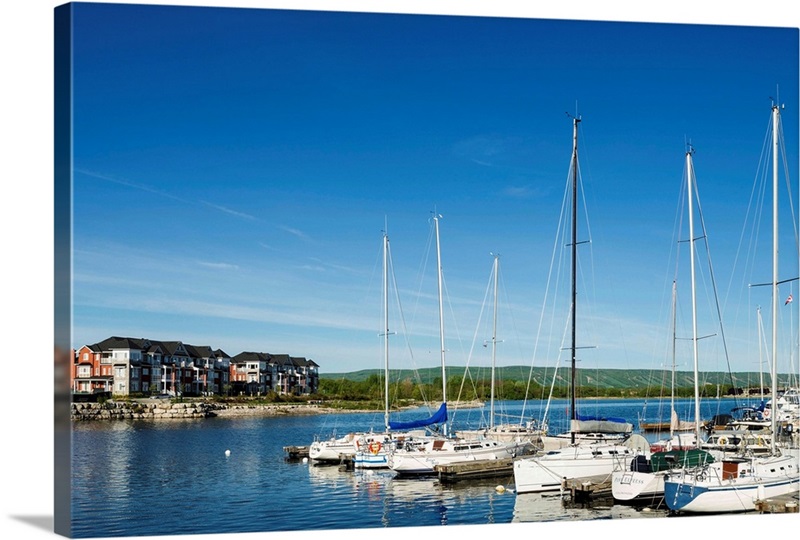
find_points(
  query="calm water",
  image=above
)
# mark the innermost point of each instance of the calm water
(133, 478)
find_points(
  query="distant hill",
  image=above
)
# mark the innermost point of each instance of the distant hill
(607, 378)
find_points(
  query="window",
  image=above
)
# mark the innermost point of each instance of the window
(84, 371)
(85, 356)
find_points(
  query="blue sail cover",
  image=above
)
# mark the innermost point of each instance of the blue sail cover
(438, 417)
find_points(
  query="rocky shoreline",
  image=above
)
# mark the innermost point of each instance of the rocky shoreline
(166, 410)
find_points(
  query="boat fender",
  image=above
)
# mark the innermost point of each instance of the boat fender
(761, 441)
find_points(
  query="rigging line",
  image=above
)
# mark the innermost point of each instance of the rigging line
(405, 328)
(677, 224)
(714, 285)
(511, 317)
(788, 181)
(474, 339)
(554, 261)
(565, 333)
(421, 271)
(754, 210)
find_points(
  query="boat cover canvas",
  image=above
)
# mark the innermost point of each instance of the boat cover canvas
(439, 417)
(595, 424)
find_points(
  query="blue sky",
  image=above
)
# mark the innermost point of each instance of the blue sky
(234, 170)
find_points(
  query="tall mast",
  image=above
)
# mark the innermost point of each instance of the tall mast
(386, 329)
(774, 390)
(441, 313)
(674, 337)
(690, 190)
(573, 412)
(760, 358)
(494, 342)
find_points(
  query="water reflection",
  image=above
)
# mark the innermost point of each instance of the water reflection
(539, 507)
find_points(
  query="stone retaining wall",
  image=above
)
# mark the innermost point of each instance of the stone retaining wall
(140, 410)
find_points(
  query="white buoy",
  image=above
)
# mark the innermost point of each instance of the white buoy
(499, 489)
(227, 453)
(305, 460)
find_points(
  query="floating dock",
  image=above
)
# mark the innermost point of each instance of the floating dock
(581, 491)
(296, 452)
(471, 470)
(784, 504)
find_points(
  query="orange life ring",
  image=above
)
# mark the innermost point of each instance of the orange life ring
(374, 447)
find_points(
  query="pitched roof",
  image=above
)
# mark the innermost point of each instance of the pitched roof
(116, 342)
(248, 356)
(199, 351)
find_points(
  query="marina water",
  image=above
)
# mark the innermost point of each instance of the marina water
(139, 478)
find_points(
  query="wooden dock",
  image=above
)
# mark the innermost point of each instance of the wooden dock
(296, 452)
(582, 491)
(471, 470)
(784, 504)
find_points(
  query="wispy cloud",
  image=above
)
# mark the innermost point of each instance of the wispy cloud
(128, 183)
(218, 265)
(520, 192)
(312, 267)
(226, 210)
(481, 162)
(485, 149)
(296, 232)
(155, 191)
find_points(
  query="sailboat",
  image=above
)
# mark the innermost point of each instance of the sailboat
(586, 452)
(369, 450)
(675, 426)
(505, 432)
(734, 484)
(422, 459)
(643, 481)
(373, 449)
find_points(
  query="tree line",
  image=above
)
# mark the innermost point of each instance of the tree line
(372, 389)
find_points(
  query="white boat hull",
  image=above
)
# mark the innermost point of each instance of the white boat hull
(720, 489)
(329, 451)
(423, 461)
(589, 462)
(637, 487)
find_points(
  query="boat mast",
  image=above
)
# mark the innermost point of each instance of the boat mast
(573, 412)
(441, 313)
(760, 357)
(386, 329)
(674, 337)
(494, 343)
(774, 390)
(690, 189)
